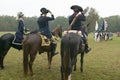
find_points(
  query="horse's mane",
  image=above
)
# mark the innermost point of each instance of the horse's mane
(57, 31)
(34, 32)
(57, 28)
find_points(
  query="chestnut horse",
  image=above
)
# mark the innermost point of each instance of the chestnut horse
(32, 45)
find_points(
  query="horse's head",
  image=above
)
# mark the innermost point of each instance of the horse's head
(57, 31)
(85, 29)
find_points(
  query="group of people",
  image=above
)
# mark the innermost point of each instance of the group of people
(43, 23)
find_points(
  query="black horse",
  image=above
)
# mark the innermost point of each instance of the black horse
(33, 44)
(71, 45)
(6, 44)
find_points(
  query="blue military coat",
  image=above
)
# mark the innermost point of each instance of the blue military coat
(77, 25)
(19, 33)
(44, 25)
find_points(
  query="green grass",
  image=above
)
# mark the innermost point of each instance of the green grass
(102, 63)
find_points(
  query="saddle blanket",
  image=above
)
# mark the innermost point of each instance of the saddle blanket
(17, 41)
(73, 31)
(45, 40)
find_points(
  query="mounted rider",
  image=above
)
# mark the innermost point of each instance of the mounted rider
(44, 27)
(21, 29)
(77, 19)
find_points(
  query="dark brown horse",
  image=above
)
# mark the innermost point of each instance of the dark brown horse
(71, 45)
(32, 45)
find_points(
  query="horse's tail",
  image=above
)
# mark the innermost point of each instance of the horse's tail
(67, 52)
(25, 58)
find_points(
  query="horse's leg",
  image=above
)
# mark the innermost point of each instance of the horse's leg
(32, 58)
(75, 64)
(62, 71)
(25, 62)
(49, 55)
(1, 62)
(2, 59)
(82, 58)
(62, 66)
(2, 56)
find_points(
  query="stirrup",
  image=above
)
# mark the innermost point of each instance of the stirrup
(87, 50)
(55, 53)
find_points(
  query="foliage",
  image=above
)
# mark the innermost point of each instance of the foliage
(9, 23)
(92, 18)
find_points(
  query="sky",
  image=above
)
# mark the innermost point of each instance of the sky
(105, 8)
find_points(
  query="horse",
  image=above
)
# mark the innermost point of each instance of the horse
(33, 44)
(6, 44)
(72, 44)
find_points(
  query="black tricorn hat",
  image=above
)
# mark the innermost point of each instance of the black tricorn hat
(44, 10)
(76, 7)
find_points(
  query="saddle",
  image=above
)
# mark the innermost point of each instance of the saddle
(73, 31)
(45, 40)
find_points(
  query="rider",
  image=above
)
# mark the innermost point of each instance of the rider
(21, 29)
(77, 25)
(44, 27)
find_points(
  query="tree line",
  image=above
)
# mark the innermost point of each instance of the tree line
(9, 23)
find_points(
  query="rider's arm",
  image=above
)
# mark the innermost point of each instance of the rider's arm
(52, 16)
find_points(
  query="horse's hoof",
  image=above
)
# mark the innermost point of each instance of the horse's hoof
(74, 69)
(81, 71)
(87, 50)
(31, 74)
(55, 53)
(2, 67)
(49, 68)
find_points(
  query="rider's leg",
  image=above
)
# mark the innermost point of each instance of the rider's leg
(87, 49)
(53, 47)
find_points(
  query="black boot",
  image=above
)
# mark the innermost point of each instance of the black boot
(87, 49)
(53, 48)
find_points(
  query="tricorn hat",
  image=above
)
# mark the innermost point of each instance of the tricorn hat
(76, 7)
(44, 10)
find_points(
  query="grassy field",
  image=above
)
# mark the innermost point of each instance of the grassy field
(102, 63)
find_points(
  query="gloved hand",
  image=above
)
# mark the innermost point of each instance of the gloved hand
(26, 30)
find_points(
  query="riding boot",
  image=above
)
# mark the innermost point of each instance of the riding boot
(53, 48)
(87, 49)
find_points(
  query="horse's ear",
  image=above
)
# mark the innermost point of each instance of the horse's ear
(53, 33)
